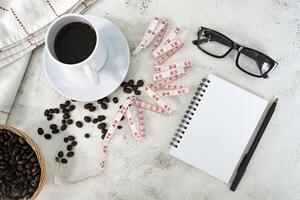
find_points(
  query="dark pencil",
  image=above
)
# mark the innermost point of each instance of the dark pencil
(243, 166)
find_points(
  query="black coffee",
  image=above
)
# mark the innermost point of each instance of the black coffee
(74, 43)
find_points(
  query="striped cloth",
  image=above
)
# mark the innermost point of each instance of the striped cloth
(23, 25)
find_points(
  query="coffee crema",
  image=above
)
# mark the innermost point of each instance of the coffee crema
(74, 42)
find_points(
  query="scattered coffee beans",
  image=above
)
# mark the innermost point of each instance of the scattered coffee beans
(69, 147)
(129, 87)
(40, 131)
(101, 126)
(67, 103)
(92, 108)
(104, 106)
(115, 100)
(71, 138)
(86, 135)
(137, 92)
(69, 121)
(104, 131)
(47, 136)
(64, 161)
(66, 139)
(74, 143)
(71, 108)
(95, 121)
(140, 83)
(119, 127)
(63, 127)
(101, 118)
(79, 124)
(70, 154)
(53, 126)
(88, 105)
(55, 131)
(66, 116)
(60, 154)
(46, 113)
(49, 117)
(87, 119)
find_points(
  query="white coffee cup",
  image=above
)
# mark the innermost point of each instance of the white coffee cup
(90, 65)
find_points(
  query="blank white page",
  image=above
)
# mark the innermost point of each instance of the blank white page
(220, 129)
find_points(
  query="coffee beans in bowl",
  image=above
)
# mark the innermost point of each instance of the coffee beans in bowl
(22, 169)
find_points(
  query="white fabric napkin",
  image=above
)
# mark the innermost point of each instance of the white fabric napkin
(23, 25)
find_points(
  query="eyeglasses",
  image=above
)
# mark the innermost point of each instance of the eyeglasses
(248, 60)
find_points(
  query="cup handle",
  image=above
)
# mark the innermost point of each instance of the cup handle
(91, 73)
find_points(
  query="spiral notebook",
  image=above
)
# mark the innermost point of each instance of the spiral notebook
(217, 127)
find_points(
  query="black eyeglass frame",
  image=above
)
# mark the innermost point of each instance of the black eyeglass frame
(239, 48)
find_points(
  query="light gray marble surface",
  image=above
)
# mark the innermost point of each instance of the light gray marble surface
(144, 170)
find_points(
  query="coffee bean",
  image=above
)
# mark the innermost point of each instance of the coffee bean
(140, 83)
(62, 106)
(55, 131)
(87, 135)
(104, 106)
(122, 118)
(53, 126)
(92, 109)
(104, 131)
(100, 118)
(67, 103)
(73, 100)
(131, 82)
(51, 110)
(66, 139)
(74, 143)
(56, 159)
(127, 90)
(40, 131)
(69, 147)
(106, 100)
(99, 101)
(137, 92)
(119, 127)
(70, 154)
(87, 119)
(120, 106)
(63, 127)
(47, 136)
(46, 113)
(65, 111)
(49, 117)
(64, 161)
(71, 138)
(66, 116)
(56, 110)
(60, 154)
(115, 100)
(63, 121)
(71, 108)
(95, 121)
(103, 136)
(101, 126)
(124, 84)
(88, 105)
(79, 124)
(135, 87)
(69, 121)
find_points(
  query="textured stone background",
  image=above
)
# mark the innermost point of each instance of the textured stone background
(144, 170)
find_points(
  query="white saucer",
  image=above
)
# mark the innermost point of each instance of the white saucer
(75, 85)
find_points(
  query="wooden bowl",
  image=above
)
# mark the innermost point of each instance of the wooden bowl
(38, 153)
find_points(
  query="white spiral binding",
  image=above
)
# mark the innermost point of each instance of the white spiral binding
(189, 112)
